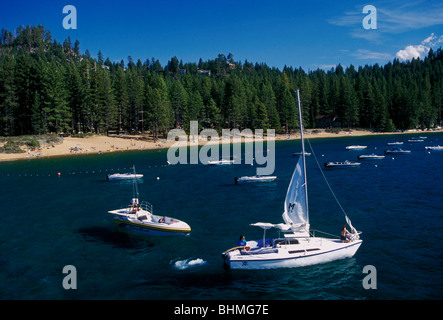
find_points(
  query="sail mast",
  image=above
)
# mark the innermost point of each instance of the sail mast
(303, 154)
(134, 185)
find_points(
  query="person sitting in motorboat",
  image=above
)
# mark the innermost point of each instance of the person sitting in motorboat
(162, 220)
(242, 243)
(134, 206)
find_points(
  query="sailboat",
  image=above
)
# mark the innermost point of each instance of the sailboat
(139, 217)
(299, 246)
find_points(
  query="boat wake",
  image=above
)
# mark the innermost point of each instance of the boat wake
(187, 263)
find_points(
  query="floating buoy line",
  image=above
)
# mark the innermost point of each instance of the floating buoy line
(60, 174)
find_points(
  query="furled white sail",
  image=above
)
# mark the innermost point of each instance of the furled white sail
(354, 231)
(296, 211)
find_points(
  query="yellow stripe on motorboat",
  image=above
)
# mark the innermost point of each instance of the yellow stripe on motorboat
(152, 227)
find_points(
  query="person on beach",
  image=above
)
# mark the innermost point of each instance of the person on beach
(242, 243)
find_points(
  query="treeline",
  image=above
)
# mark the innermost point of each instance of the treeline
(47, 86)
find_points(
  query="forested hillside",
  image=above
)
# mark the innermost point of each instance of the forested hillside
(48, 86)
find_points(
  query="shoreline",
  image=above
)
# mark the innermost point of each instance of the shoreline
(98, 144)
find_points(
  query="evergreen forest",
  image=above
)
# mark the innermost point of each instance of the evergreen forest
(51, 87)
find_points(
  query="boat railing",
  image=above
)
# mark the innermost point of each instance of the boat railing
(312, 231)
(145, 205)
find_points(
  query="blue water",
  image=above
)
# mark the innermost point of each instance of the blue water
(48, 222)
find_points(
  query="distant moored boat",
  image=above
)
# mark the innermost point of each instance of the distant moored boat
(370, 157)
(439, 148)
(343, 164)
(123, 176)
(257, 178)
(394, 143)
(397, 151)
(357, 147)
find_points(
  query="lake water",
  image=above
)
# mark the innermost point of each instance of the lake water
(48, 222)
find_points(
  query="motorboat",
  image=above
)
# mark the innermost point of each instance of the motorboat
(139, 217)
(221, 161)
(343, 164)
(356, 147)
(397, 151)
(415, 140)
(257, 178)
(435, 148)
(370, 157)
(396, 143)
(298, 247)
(123, 176)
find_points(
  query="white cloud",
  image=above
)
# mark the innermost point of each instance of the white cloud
(399, 20)
(324, 66)
(419, 50)
(393, 17)
(429, 39)
(411, 51)
(371, 55)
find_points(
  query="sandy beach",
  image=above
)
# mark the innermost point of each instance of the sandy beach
(102, 144)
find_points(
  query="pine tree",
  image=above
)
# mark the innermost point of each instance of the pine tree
(56, 111)
(234, 102)
(213, 115)
(306, 102)
(348, 102)
(121, 98)
(157, 102)
(179, 101)
(8, 96)
(268, 98)
(75, 97)
(261, 115)
(194, 110)
(367, 103)
(135, 110)
(286, 104)
(25, 95)
(107, 115)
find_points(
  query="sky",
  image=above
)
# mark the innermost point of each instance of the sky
(306, 34)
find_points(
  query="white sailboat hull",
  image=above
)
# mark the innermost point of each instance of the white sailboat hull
(315, 251)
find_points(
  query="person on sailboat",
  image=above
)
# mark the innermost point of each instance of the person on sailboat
(242, 243)
(345, 234)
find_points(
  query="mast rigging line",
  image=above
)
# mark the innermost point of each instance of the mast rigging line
(315, 157)
(326, 180)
